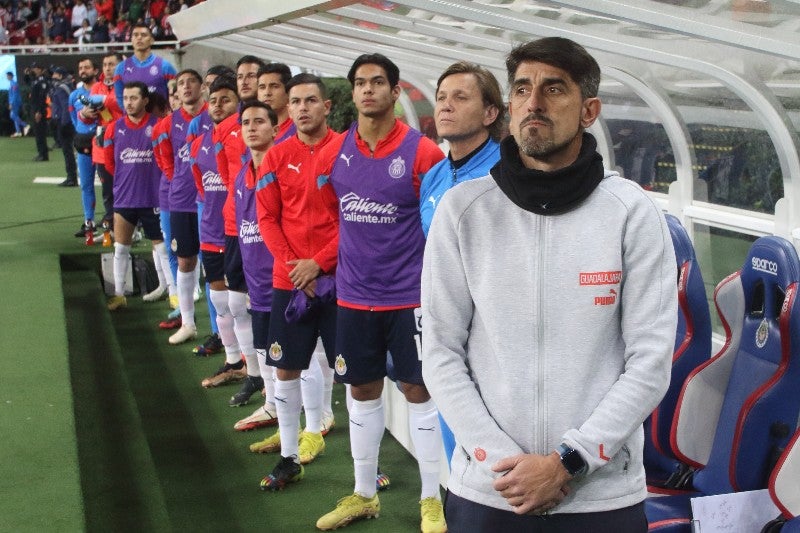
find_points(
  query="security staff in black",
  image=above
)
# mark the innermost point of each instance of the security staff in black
(39, 91)
(62, 122)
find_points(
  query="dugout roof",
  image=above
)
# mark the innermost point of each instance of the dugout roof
(732, 63)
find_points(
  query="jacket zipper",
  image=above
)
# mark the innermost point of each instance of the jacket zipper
(540, 353)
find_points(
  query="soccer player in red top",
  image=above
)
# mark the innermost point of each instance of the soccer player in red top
(172, 156)
(301, 232)
(272, 90)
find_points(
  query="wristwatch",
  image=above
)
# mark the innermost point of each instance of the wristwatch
(572, 460)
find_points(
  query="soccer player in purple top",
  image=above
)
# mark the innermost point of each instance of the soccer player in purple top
(129, 157)
(376, 170)
(152, 70)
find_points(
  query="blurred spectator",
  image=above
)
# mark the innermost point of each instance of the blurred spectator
(92, 13)
(166, 29)
(79, 13)
(100, 33)
(155, 29)
(120, 31)
(57, 26)
(40, 46)
(83, 34)
(105, 8)
(157, 9)
(25, 13)
(5, 15)
(136, 11)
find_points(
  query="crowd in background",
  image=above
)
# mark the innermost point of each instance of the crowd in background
(37, 23)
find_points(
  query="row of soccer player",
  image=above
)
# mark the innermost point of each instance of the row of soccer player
(325, 232)
(270, 171)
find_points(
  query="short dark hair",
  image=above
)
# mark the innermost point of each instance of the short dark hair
(221, 70)
(307, 78)
(281, 69)
(156, 101)
(141, 25)
(560, 53)
(191, 72)
(490, 91)
(246, 60)
(118, 55)
(145, 92)
(273, 116)
(223, 82)
(89, 59)
(392, 71)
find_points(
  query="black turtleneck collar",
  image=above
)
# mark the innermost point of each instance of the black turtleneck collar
(548, 193)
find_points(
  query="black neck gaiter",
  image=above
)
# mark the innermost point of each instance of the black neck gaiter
(548, 193)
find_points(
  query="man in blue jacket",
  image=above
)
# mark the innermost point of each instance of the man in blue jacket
(469, 116)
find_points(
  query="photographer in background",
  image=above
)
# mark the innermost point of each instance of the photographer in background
(85, 131)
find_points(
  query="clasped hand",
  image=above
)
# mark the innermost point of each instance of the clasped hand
(532, 484)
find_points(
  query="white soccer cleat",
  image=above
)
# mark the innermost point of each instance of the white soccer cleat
(184, 333)
(155, 294)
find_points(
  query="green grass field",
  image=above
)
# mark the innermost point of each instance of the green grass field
(105, 426)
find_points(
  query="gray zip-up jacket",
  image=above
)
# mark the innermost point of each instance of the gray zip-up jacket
(540, 330)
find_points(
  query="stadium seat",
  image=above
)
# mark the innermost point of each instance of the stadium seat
(737, 411)
(785, 490)
(692, 348)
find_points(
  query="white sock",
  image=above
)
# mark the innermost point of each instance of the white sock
(288, 398)
(348, 398)
(268, 375)
(311, 386)
(242, 324)
(163, 259)
(327, 381)
(225, 325)
(426, 435)
(251, 360)
(366, 431)
(122, 253)
(186, 297)
(162, 281)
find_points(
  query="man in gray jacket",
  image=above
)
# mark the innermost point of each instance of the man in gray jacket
(549, 307)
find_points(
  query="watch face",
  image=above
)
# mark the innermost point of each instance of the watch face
(572, 461)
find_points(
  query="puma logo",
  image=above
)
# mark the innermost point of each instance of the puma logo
(295, 168)
(179, 126)
(121, 132)
(432, 200)
(204, 149)
(346, 159)
(239, 192)
(235, 133)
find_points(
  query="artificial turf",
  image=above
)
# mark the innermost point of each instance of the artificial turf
(105, 426)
